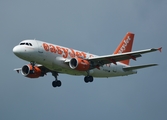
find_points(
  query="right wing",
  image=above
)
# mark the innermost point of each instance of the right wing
(101, 60)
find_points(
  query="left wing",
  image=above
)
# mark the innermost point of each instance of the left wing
(101, 60)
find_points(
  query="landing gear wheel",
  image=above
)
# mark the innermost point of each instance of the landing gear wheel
(88, 79)
(56, 83)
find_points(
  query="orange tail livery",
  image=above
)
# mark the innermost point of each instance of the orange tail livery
(125, 46)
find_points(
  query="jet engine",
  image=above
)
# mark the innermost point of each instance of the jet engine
(30, 71)
(79, 64)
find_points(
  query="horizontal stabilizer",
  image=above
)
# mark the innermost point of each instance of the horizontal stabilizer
(138, 67)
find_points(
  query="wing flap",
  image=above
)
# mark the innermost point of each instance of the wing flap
(138, 67)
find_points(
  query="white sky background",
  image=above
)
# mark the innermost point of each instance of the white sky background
(95, 26)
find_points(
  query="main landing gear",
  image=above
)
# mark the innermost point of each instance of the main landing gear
(88, 79)
(56, 83)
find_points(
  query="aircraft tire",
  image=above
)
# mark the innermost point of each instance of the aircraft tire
(88, 79)
(56, 83)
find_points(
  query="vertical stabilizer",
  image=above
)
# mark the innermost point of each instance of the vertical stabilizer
(125, 46)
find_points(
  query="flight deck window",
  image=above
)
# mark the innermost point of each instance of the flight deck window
(22, 43)
(29, 44)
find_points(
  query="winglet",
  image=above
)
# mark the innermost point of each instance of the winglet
(160, 49)
(125, 46)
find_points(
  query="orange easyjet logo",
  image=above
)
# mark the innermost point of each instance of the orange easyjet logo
(125, 43)
(65, 52)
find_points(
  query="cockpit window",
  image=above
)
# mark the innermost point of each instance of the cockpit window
(22, 43)
(28, 44)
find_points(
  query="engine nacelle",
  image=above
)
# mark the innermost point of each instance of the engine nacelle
(30, 72)
(79, 64)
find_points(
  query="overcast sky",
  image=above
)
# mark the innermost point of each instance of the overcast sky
(95, 26)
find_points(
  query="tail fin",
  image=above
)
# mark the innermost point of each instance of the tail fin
(125, 46)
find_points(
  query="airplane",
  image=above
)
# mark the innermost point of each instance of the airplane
(46, 57)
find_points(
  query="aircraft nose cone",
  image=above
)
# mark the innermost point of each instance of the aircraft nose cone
(16, 50)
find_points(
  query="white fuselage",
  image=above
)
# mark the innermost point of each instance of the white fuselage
(55, 58)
